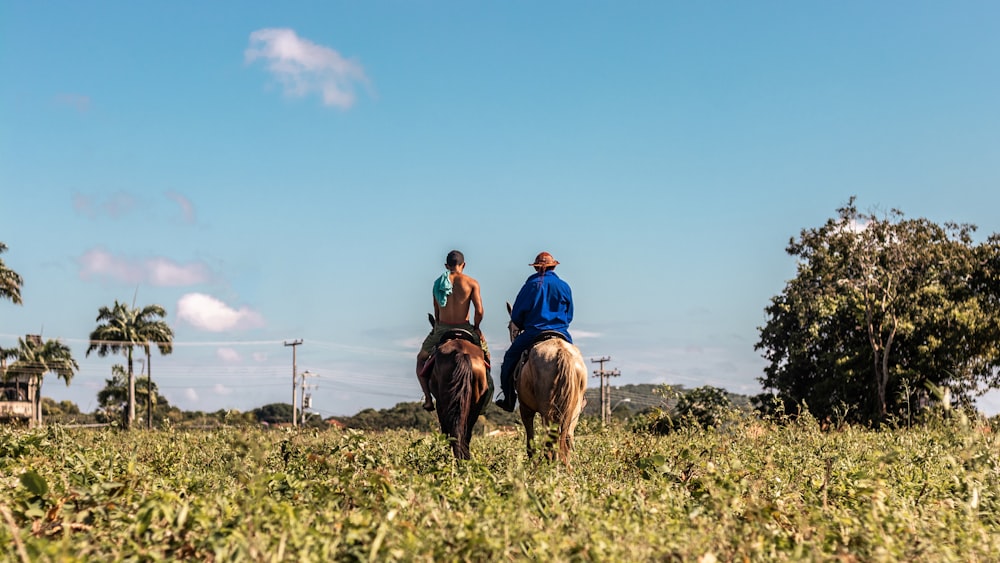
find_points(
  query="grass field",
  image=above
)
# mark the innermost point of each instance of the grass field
(749, 492)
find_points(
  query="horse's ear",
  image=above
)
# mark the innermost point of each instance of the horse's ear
(430, 319)
(509, 308)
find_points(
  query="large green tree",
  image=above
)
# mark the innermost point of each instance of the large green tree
(121, 328)
(882, 308)
(10, 281)
(34, 358)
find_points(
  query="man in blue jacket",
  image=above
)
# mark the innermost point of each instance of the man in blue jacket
(545, 302)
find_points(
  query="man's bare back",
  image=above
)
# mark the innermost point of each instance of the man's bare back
(464, 294)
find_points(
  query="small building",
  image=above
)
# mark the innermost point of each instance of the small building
(17, 398)
(19, 393)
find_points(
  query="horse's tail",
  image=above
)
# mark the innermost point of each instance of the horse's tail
(461, 389)
(569, 386)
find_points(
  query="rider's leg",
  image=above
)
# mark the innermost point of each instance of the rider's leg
(421, 361)
(510, 359)
(486, 354)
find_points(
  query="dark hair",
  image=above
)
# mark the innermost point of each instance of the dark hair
(454, 258)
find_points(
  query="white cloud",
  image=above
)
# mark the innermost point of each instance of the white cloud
(303, 67)
(157, 271)
(259, 357)
(187, 208)
(220, 389)
(208, 313)
(584, 334)
(853, 226)
(228, 355)
(191, 395)
(163, 272)
(98, 263)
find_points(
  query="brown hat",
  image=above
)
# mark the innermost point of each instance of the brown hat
(544, 260)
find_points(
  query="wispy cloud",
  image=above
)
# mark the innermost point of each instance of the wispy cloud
(303, 67)
(191, 395)
(187, 208)
(114, 206)
(119, 204)
(220, 389)
(208, 313)
(157, 271)
(78, 102)
(584, 334)
(410, 343)
(228, 355)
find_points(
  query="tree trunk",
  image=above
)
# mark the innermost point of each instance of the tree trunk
(879, 385)
(130, 419)
(37, 414)
(882, 371)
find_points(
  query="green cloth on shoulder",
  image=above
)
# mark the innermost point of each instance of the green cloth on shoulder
(442, 288)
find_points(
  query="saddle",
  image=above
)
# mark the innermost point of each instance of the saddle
(541, 337)
(452, 334)
(457, 334)
(547, 335)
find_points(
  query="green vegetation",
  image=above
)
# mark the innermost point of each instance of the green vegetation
(10, 281)
(112, 401)
(120, 329)
(882, 310)
(750, 491)
(704, 407)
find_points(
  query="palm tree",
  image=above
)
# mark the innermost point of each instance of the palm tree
(113, 399)
(121, 328)
(10, 282)
(6, 354)
(34, 359)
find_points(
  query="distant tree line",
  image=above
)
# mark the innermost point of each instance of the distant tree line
(886, 315)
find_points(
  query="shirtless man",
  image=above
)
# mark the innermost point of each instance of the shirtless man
(454, 292)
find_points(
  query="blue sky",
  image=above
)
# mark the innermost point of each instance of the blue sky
(299, 170)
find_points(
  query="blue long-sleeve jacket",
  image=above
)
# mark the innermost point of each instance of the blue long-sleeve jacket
(545, 302)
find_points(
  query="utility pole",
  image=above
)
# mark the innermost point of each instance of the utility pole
(293, 344)
(605, 386)
(306, 399)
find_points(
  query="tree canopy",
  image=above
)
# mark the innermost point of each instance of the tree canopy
(121, 328)
(35, 358)
(112, 400)
(10, 281)
(883, 308)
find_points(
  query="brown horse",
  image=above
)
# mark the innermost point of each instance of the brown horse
(552, 382)
(460, 387)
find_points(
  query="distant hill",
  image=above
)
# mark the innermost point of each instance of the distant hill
(626, 400)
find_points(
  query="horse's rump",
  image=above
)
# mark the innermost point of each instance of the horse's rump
(459, 379)
(557, 381)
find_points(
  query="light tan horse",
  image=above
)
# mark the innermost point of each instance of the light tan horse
(552, 382)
